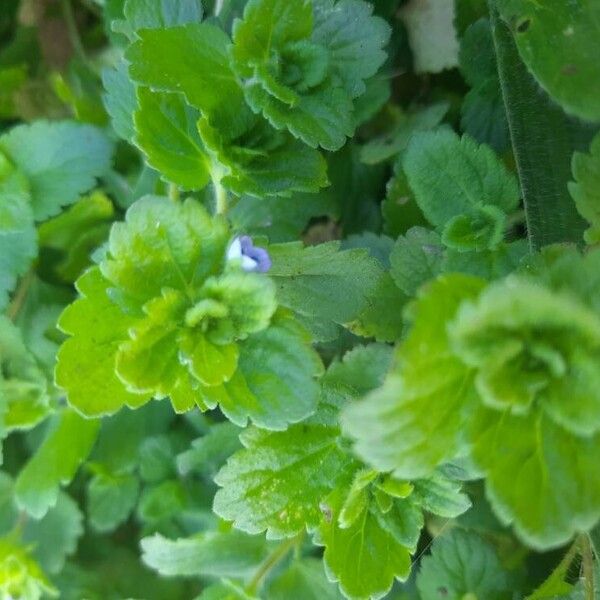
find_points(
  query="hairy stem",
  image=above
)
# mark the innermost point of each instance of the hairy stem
(543, 139)
(220, 198)
(587, 558)
(173, 192)
(560, 572)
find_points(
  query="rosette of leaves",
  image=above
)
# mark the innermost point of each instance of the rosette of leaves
(508, 374)
(306, 479)
(303, 63)
(165, 313)
(178, 99)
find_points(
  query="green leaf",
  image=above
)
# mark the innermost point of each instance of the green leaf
(323, 118)
(275, 383)
(555, 371)
(369, 554)
(415, 421)
(166, 131)
(543, 139)
(37, 321)
(297, 96)
(354, 38)
(21, 574)
(360, 370)
(76, 233)
(377, 93)
(192, 59)
(120, 100)
(537, 475)
(61, 160)
(157, 14)
(566, 69)
(264, 161)
(189, 324)
(161, 503)
(378, 245)
(55, 462)
(278, 481)
(86, 362)
(477, 55)
(376, 320)
(149, 362)
(163, 245)
(441, 496)
(269, 25)
(356, 189)
(24, 387)
(110, 499)
(280, 219)
(395, 141)
(488, 264)
(304, 579)
(482, 112)
(416, 258)
(209, 452)
(18, 238)
(399, 209)
(215, 554)
(467, 12)
(55, 536)
(121, 435)
(482, 230)
(452, 176)
(483, 116)
(585, 189)
(157, 457)
(300, 76)
(463, 565)
(431, 33)
(322, 281)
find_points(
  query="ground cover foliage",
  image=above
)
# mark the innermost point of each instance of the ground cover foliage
(300, 299)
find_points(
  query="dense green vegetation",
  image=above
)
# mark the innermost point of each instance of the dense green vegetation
(300, 299)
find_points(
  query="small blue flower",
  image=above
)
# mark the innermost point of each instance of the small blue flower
(253, 258)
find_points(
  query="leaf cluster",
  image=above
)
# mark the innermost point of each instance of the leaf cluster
(299, 300)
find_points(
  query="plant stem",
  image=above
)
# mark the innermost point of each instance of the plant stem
(73, 32)
(271, 561)
(587, 558)
(220, 198)
(543, 139)
(18, 300)
(559, 574)
(173, 192)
